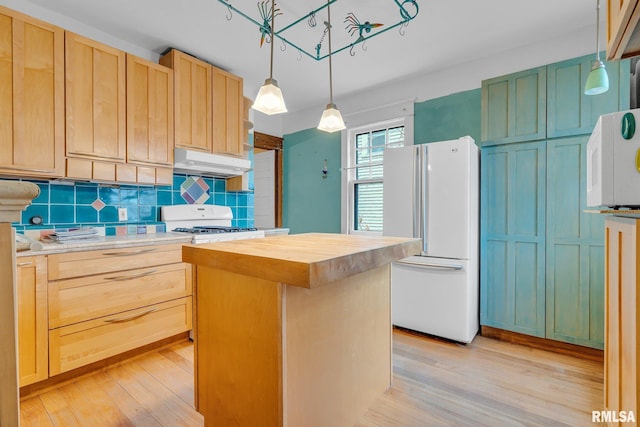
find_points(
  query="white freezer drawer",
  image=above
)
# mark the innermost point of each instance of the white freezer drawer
(435, 296)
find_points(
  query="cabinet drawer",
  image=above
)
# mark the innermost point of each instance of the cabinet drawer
(85, 298)
(77, 345)
(78, 264)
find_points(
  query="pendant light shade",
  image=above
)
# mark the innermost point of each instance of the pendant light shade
(331, 119)
(598, 80)
(270, 99)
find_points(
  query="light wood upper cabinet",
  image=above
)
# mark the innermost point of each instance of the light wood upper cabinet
(149, 112)
(623, 32)
(32, 319)
(31, 96)
(192, 95)
(228, 113)
(95, 100)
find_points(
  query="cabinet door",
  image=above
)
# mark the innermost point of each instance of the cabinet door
(514, 107)
(228, 106)
(575, 249)
(192, 94)
(95, 99)
(149, 112)
(31, 97)
(512, 230)
(32, 319)
(569, 110)
(623, 17)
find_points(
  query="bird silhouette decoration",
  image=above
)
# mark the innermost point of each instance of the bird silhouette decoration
(354, 25)
(267, 13)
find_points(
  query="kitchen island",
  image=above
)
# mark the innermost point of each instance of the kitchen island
(293, 330)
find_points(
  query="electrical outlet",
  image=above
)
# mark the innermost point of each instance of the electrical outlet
(122, 214)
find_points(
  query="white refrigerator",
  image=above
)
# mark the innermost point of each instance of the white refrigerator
(431, 192)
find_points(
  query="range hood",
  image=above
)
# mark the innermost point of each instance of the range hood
(200, 163)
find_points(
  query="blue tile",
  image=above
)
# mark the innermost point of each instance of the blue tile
(147, 196)
(164, 198)
(86, 194)
(209, 182)
(178, 179)
(110, 231)
(43, 197)
(242, 199)
(109, 214)
(128, 196)
(86, 214)
(110, 195)
(177, 199)
(232, 199)
(62, 194)
(250, 199)
(132, 214)
(161, 228)
(61, 214)
(220, 185)
(148, 213)
(242, 212)
(219, 199)
(33, 210)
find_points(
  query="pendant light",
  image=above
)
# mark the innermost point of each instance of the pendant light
(331, 119)
(269, 99)
(598, 80)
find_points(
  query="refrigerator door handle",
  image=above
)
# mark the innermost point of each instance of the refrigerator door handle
(424, 196)
(433, 266)
(417, 169)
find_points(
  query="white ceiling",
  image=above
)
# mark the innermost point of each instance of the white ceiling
(445, 33)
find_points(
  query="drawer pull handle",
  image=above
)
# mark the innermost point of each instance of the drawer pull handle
(23, 264)
(131, 276)
(142, 251)
(130, 318)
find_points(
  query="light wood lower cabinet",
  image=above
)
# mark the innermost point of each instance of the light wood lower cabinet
(32, 319)
(104, 302)
(622, 331)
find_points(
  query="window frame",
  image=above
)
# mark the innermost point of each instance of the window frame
(349, 170)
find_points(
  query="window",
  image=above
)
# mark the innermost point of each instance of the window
(365, 155)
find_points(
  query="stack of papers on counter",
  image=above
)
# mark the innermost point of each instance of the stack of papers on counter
(72, 235)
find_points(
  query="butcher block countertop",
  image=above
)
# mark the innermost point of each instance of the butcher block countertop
(305, 260)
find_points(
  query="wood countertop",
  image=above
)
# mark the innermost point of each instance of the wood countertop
(305, 260)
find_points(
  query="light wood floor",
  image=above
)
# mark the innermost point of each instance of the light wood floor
(436, 383)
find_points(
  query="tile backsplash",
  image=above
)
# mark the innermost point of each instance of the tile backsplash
(67, 204)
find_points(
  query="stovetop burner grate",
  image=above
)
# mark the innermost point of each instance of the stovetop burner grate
(213, 229)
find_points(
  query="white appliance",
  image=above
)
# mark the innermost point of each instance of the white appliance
(431, 192)
(207, 223)
(613, 161)
(201, 163)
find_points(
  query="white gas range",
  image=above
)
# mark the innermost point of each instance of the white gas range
(207, 223)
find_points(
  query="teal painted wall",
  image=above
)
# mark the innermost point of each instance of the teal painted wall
(311, 203)
(449, 117)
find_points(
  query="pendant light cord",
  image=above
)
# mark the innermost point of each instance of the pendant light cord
(330, 68)
(273, 18)
(598, 30)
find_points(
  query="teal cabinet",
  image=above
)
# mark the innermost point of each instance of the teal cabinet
(512, 262)
(569, 110)
(513, 107)
(574, 249)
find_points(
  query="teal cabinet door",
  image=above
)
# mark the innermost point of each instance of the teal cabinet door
(512, 227)
(513, 107)
(569, 110)
(575, 249)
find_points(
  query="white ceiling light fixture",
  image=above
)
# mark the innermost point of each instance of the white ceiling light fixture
(270, 100)
(331, 120)
(598, 80)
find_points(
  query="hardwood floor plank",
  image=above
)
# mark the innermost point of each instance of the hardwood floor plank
(182, 355)
(34, 414)
(171, 375)
(130, 407)
(58, 408)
